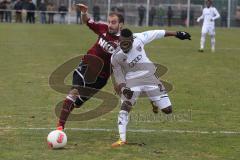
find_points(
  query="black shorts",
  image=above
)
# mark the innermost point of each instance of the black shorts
(80, 79)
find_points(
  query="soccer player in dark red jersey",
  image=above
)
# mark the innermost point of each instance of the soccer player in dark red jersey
(96, 63)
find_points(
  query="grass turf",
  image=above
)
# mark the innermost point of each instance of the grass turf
(205, 98)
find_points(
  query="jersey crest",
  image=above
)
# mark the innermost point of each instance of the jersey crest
(139, 48)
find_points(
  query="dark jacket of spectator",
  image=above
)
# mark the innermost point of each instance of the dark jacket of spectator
(152, 14)
(62, 9)
(170, 16)
(141, 13)
(2, 6)
(42, 7)
(96, 13)
(30, 12)
(18, 6)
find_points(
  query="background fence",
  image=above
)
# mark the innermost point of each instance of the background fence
(136, 12)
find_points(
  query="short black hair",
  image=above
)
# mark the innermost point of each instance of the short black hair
(126, 33)
(120, 17)
(210, 1)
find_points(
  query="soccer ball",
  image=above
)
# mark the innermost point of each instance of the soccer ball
(57, 139)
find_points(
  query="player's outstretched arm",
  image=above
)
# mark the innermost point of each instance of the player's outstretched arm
(84, 9)
(178, 34)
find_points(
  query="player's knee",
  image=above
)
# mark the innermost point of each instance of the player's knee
(72, 95)
(203, 34)
(126, 106)
(79, 101)
(74, 92)
(212, 36)
(167, 110)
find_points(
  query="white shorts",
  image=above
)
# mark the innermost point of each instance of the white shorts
(210, 29)
(154, 93)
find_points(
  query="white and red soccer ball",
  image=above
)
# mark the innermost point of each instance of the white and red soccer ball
(56, 139)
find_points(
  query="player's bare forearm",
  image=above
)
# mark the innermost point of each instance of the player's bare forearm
(85, 18)
(170, 33)
(84, 9)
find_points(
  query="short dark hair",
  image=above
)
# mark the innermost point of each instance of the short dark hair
(120, 17)
(210, 1)
(126, 33)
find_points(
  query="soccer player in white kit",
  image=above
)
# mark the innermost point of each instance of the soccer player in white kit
(134, 73)
(209, 15)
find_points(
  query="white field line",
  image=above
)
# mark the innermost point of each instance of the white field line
(132, 130)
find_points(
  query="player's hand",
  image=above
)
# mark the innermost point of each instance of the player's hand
(127, 92)
(211, 19)
(198, 20)
(118, 88)
(183, 35)
(83, 8)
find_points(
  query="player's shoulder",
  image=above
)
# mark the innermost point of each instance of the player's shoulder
(140, 34)
(102, 26)
(140, 37)
(117, 54)
(137, 35)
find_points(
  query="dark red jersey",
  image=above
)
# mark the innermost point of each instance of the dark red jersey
(104, 47)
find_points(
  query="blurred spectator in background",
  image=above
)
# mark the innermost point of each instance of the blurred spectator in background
(2, 8)
(78, 17)
(114, 9)
(184, 17)
(141, 13)
(18, 7)
(192, 12)
(224, 17)
(120, 10)
(8, 13)
(152, 14)
(51, 12)
(160, 16)
(42, 9)
(30, 12)
(96, 13)
(169, 16)
(63, 11)
(237, 16)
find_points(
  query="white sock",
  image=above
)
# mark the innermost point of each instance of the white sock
(202, 43)
(213, 41)
(122, 124)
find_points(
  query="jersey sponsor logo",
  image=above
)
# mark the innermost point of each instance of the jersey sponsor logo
(109, 47)
(135, 61)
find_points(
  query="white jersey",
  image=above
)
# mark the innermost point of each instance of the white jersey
(209, 15)
(135, 64)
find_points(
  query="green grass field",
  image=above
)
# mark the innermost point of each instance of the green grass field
(205, 125)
